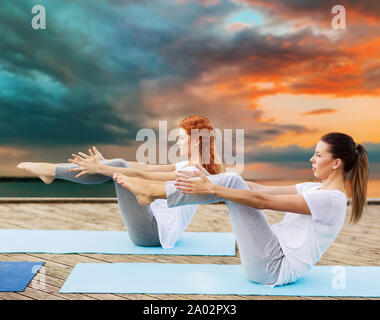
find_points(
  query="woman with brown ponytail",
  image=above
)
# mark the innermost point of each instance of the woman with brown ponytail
(281, 253)
(353, 159)
(147, 225)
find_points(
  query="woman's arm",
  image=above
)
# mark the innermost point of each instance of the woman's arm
(152, 167)
(132, 164)
(289, 202)
(89, 164)
(292, 203)
(135, 172)
(275, 190)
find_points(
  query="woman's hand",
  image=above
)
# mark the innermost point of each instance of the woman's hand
(191, 174)
(87, 163)
(97, 154)
(186, 184)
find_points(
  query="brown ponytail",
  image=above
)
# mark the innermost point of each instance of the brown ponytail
(357, 183)
(355, 169)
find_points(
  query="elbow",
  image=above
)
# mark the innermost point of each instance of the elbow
(143, 175)
(261, 205)
(259, 200)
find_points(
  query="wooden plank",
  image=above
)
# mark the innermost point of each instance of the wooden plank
(13, 296)
(355, 245)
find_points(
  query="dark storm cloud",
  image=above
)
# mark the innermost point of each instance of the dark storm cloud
(59, 86)
(46, 126)
(291, 153)
(249, 50)
(295, 154)
(79, 80)
(255, 137)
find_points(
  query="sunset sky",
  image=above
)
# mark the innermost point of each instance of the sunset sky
(102, 70)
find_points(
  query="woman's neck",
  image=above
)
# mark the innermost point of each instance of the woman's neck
(194, 161)
(335, 181)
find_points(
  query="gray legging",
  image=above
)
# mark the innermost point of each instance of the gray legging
(140, 222)
(260, 252)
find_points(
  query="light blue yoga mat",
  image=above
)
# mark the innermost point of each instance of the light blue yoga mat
(16, 275)
(111, 242)
(164, 278)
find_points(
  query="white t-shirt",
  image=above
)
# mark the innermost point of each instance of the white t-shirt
(305, 238)
(172, 222)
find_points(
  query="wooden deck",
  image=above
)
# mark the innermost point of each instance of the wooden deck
(355, 245)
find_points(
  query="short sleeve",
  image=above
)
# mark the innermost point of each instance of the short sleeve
(320, 204)
(180, 165)
(299, 187)
(302, 187)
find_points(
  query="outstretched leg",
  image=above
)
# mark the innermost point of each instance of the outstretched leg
(48, 172)
(139, 220)
(45, 171)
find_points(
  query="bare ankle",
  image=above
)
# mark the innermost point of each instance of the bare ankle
(52, 168)
(157, 190)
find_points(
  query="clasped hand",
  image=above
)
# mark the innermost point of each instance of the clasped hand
(186, 183)
(87, 163)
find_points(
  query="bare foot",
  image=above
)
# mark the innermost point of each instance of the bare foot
(141, 188)
(45, 171)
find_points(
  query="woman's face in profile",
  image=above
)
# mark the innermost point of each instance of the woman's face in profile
(183, 142)
(322, 161)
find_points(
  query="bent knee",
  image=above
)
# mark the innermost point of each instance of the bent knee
(236, 181)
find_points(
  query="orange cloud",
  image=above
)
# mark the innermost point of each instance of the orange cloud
(318, 112)
(234, 76)
(319, 12)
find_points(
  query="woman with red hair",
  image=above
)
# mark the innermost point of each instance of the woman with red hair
(148, 225)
